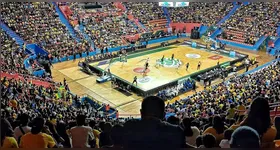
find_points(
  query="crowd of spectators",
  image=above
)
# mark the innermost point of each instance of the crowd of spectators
(198, 12)
(232, 114)
(231, 100)
(173, 91)
(23, 101)
(107, 31)
(106, 26)
(145, 12)
(254, 130)
(12, 55)
(38, 22)
(241, 89)
(34, 112)
(252, 21)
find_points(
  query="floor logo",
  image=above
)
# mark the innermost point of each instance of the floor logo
(168, 62)
(144, 80)
(193, 56)
(215, 57)
(140, 70)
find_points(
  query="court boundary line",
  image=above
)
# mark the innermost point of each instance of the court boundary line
(114, 105)
(72, 78)
(181, 78)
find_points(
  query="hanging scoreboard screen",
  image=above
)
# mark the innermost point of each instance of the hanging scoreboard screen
(174, 4)
(182, 4)
(166, 4)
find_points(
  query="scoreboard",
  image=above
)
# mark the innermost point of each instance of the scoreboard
(182, 4)
(174, 4)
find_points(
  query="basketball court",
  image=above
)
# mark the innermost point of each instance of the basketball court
(159, 75)
(85, 85)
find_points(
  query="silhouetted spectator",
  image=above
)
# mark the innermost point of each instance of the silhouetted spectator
(150, 131)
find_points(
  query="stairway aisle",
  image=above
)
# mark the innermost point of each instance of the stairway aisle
(231, 12)
(86, 36)
(66, 23)
(277, 43)
(167, 15)
(12, 34)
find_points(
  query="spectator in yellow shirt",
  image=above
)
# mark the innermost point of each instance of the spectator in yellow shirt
(217, 129)
(36, 138)
(241, 109)
(96, 133)
(231, 112)
(7, 138)
(14, 103)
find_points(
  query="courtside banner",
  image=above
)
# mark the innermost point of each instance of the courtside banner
(203, 46)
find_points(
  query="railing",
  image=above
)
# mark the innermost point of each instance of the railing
(275, 111)
(28, 78)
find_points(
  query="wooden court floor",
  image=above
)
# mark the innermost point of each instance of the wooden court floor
(83, 84)
(158, 76)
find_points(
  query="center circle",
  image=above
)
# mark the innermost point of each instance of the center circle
(168, 62)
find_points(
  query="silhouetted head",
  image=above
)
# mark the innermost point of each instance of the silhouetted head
(37, 125)
(245, 137)
(218, 124)
(259, 116)
(152, 106)
(209, 140)
(173, 120)
(81, 120)
(6, 130)
(117, 135)
(187, 127)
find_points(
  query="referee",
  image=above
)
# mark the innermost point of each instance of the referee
(135, 80)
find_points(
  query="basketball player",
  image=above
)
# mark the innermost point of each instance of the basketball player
(124, 59)
(109, 71)
(135, 80)
(198, 65)
(158, 63)
(147, 60)
(172, 57)
(120, 55)
(146, 68)
(179, 65)
(162, 59)
(146, 64)
(187, 66)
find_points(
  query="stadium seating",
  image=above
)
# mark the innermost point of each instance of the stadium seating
(107, 27)
(149, 14)
(205, 117)
(40, 24)
(12, 55)
(197, 12)
(252, 21)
